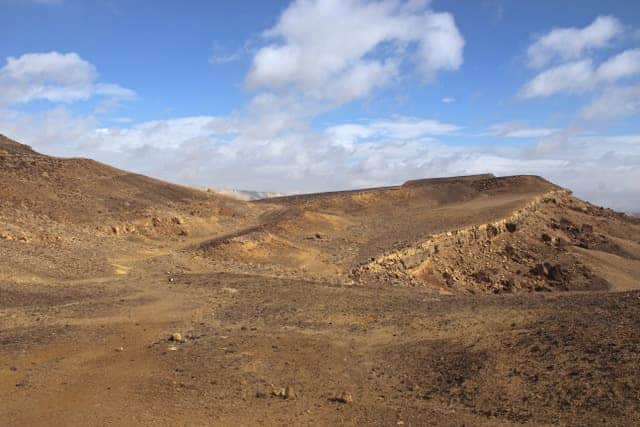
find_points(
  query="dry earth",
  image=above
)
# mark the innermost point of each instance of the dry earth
(460, 301)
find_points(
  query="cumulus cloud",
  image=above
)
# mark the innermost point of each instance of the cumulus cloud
(572, 43)
(582, 76)
(55, 77)
(339, 50)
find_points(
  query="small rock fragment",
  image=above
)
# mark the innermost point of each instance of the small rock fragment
(279, 392)
(6, 236)
(555, 273)
(345, 397)
(290, 393)
(176, 337)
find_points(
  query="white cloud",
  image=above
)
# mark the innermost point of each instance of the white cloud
(230, 152)
(602, 169)
(448, 100)
(162, 134)
(572, 43)
(339, 50)
(222, 56)
(54, 77)
(581, 76)
(573, 77)
(519, 130)
(612, 103)
(620, 66)
(121, 119)
(359, 81)
(409, 128)
(396, 128)
(56, 131)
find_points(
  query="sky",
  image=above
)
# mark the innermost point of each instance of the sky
(320, 95)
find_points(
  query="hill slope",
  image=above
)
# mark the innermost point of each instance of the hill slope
(82, 190)
(58, 216)
(462, 234)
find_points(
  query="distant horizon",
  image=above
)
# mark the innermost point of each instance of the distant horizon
(320, 95)
(267, 194)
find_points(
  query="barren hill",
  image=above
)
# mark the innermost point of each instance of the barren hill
(9, 146)
(462, 234)
(83, 190)
(67, 211)
(475, 300)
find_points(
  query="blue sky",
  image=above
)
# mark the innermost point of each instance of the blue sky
(322, 94)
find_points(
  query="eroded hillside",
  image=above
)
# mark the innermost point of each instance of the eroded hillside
(468, 234)
(69, 218)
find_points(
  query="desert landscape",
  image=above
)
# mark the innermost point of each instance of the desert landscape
(474, 300)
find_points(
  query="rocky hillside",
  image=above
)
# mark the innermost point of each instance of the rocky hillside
(552, 243)
(59, 215)
(473, 234)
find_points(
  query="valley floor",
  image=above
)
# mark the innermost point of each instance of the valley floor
(97, 352)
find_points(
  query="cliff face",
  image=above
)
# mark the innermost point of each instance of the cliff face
(539, 247)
